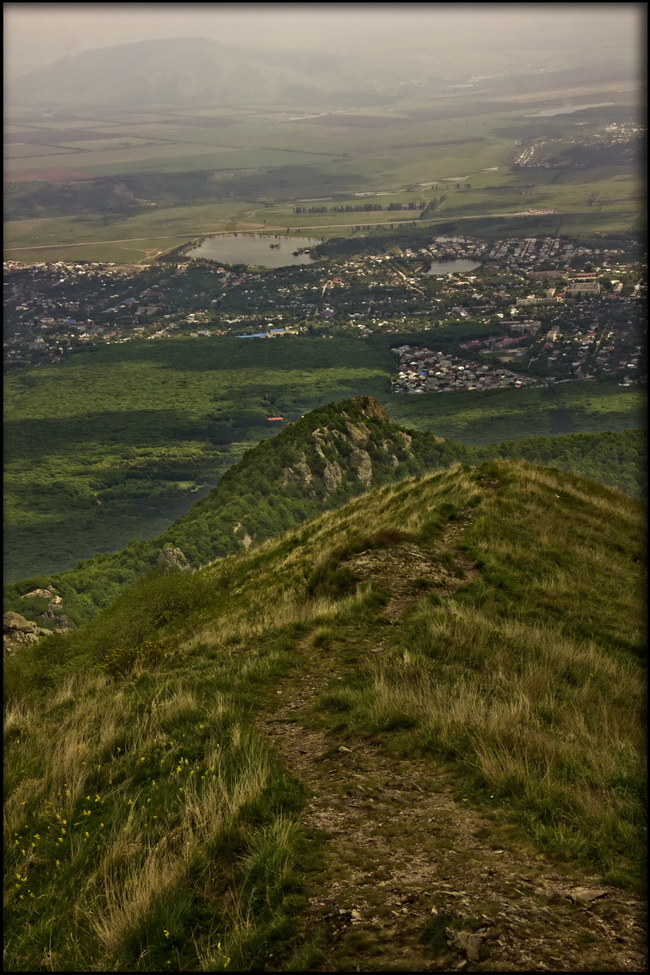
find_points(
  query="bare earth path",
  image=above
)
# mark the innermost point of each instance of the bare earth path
(407, 860)
(403, 856)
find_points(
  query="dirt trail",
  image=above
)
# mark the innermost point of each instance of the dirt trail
(406, 857)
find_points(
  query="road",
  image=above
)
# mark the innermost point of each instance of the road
(294, 230)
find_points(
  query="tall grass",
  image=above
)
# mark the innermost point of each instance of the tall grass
(549, 727)
(528, 681)
(149, 828)
(143, 804)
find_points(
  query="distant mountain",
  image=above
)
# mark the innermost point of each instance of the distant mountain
(171, 71)
(406, 733)
(182, 72)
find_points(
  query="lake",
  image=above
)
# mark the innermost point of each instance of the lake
(257, 250)
(452, 267)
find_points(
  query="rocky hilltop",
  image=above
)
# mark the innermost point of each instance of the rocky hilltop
(320, 462)
(325, 459)
(328, 457)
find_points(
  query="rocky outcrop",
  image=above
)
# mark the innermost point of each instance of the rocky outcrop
(49, 593)
(372, 408)
(60, 621)
(242, 535)
(358, 434)
(406, 438)
(332, 476)
(19, 632)
(54, 606)
(300, 473)
(360, 460)
(172, 559)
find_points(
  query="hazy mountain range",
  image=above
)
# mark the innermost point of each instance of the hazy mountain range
(181, 72)
(192, 70)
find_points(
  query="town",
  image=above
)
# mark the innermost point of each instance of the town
(532, 310)
(424, 371)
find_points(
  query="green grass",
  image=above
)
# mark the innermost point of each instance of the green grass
(526, 680)
(147, 825)
(167, 818)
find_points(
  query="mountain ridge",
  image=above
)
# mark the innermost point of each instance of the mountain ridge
(320, 462)
(407, 733)
(177, 71)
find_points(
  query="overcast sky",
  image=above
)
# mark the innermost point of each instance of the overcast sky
(37, 33)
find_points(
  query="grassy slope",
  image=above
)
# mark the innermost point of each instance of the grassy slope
(524, 682)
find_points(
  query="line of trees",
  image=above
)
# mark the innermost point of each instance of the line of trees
(361, 208)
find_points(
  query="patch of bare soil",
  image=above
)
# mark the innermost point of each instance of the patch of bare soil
(413, 881)
(407, 571)
(416, 879)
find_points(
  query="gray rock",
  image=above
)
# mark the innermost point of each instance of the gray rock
(16, 622)
(358, 434)
(300, 472)
(360, 459)
(465, 941)
(172, 559)
(585, 895)
(332, 476)
(19, 632)
(50, 594)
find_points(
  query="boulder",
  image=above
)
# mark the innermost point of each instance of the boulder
(19, 632)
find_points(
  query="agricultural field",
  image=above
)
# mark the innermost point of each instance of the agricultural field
(186, 175)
